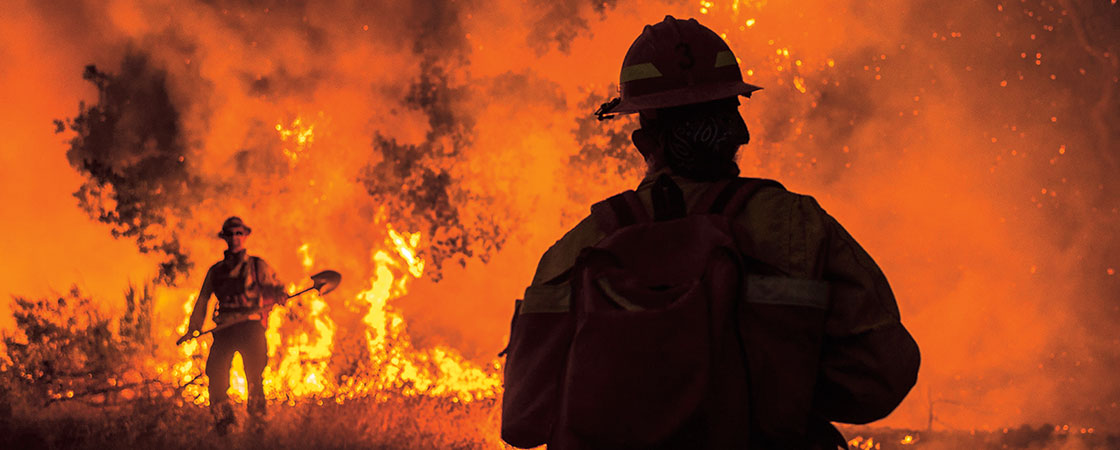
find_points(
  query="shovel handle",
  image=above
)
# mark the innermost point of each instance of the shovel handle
(297, 294)
(220, 327)
(223, 326)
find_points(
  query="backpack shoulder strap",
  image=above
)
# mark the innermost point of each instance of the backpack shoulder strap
(708, 198)
(256, 275)
(256, 269)
(619, 211)
(668, 199)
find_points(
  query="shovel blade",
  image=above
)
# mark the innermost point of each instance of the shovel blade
(326, 281)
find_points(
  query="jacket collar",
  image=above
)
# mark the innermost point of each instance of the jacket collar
(236, 257)
(651, 177)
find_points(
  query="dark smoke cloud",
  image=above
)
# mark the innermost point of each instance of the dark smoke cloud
(413, 181)
(560, 22)
(149, 191)
(606, 154)
(437, 28)
(426, 198)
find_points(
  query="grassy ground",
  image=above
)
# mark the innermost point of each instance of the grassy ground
(165, 424)
(399, 422)
(1023, 437)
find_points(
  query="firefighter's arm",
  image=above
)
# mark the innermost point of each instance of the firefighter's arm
(540, 335)
(201, 304)
(271, 289)
(869, 361)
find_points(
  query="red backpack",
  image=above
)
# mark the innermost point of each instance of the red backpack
(649, 354)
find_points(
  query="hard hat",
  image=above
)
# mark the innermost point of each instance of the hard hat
(230, 224)
(673, 63)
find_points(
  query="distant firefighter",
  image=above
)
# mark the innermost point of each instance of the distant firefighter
(246, 288)
(701, 310)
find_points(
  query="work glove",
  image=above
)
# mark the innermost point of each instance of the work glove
(191, 333)
(273, 295)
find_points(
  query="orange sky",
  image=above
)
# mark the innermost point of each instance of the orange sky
(49, 243)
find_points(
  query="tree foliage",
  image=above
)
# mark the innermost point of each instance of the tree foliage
(130, 147)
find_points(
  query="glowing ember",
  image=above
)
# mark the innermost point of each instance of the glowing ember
(863, 444)
(297, 137)
(799, 83)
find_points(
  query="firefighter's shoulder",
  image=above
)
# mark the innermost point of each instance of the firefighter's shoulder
(786, 228)
(561, 256)
(258, 260)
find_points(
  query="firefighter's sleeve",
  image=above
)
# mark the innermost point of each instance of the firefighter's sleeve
(272, 290)
(540, 335)
(869, 361)
(198, 314)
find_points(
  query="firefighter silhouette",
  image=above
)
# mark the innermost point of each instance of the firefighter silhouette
(701, 309)
(246, 287)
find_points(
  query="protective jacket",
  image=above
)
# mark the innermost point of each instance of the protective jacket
(242, 283)
(845, 358)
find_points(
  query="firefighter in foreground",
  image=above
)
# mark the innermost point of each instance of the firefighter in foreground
(701, 310)
(246, 287)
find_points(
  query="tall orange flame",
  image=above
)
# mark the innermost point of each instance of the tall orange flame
(303, 369)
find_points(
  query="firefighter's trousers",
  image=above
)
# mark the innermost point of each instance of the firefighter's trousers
(249, 340)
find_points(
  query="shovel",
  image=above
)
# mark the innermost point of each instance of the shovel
(324, 282)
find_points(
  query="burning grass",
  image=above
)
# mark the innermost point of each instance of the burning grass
(397, 421)
(391, 421)
(1044, 436)
(74, 378)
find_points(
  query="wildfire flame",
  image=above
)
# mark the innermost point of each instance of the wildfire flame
(300, 362)
(303, 369)
(297, 137)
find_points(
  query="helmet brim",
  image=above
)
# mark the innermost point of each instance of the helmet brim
(683, 96)
(228, 232)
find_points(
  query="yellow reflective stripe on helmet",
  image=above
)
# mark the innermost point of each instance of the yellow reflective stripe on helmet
(639, 72)
(725, 58)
